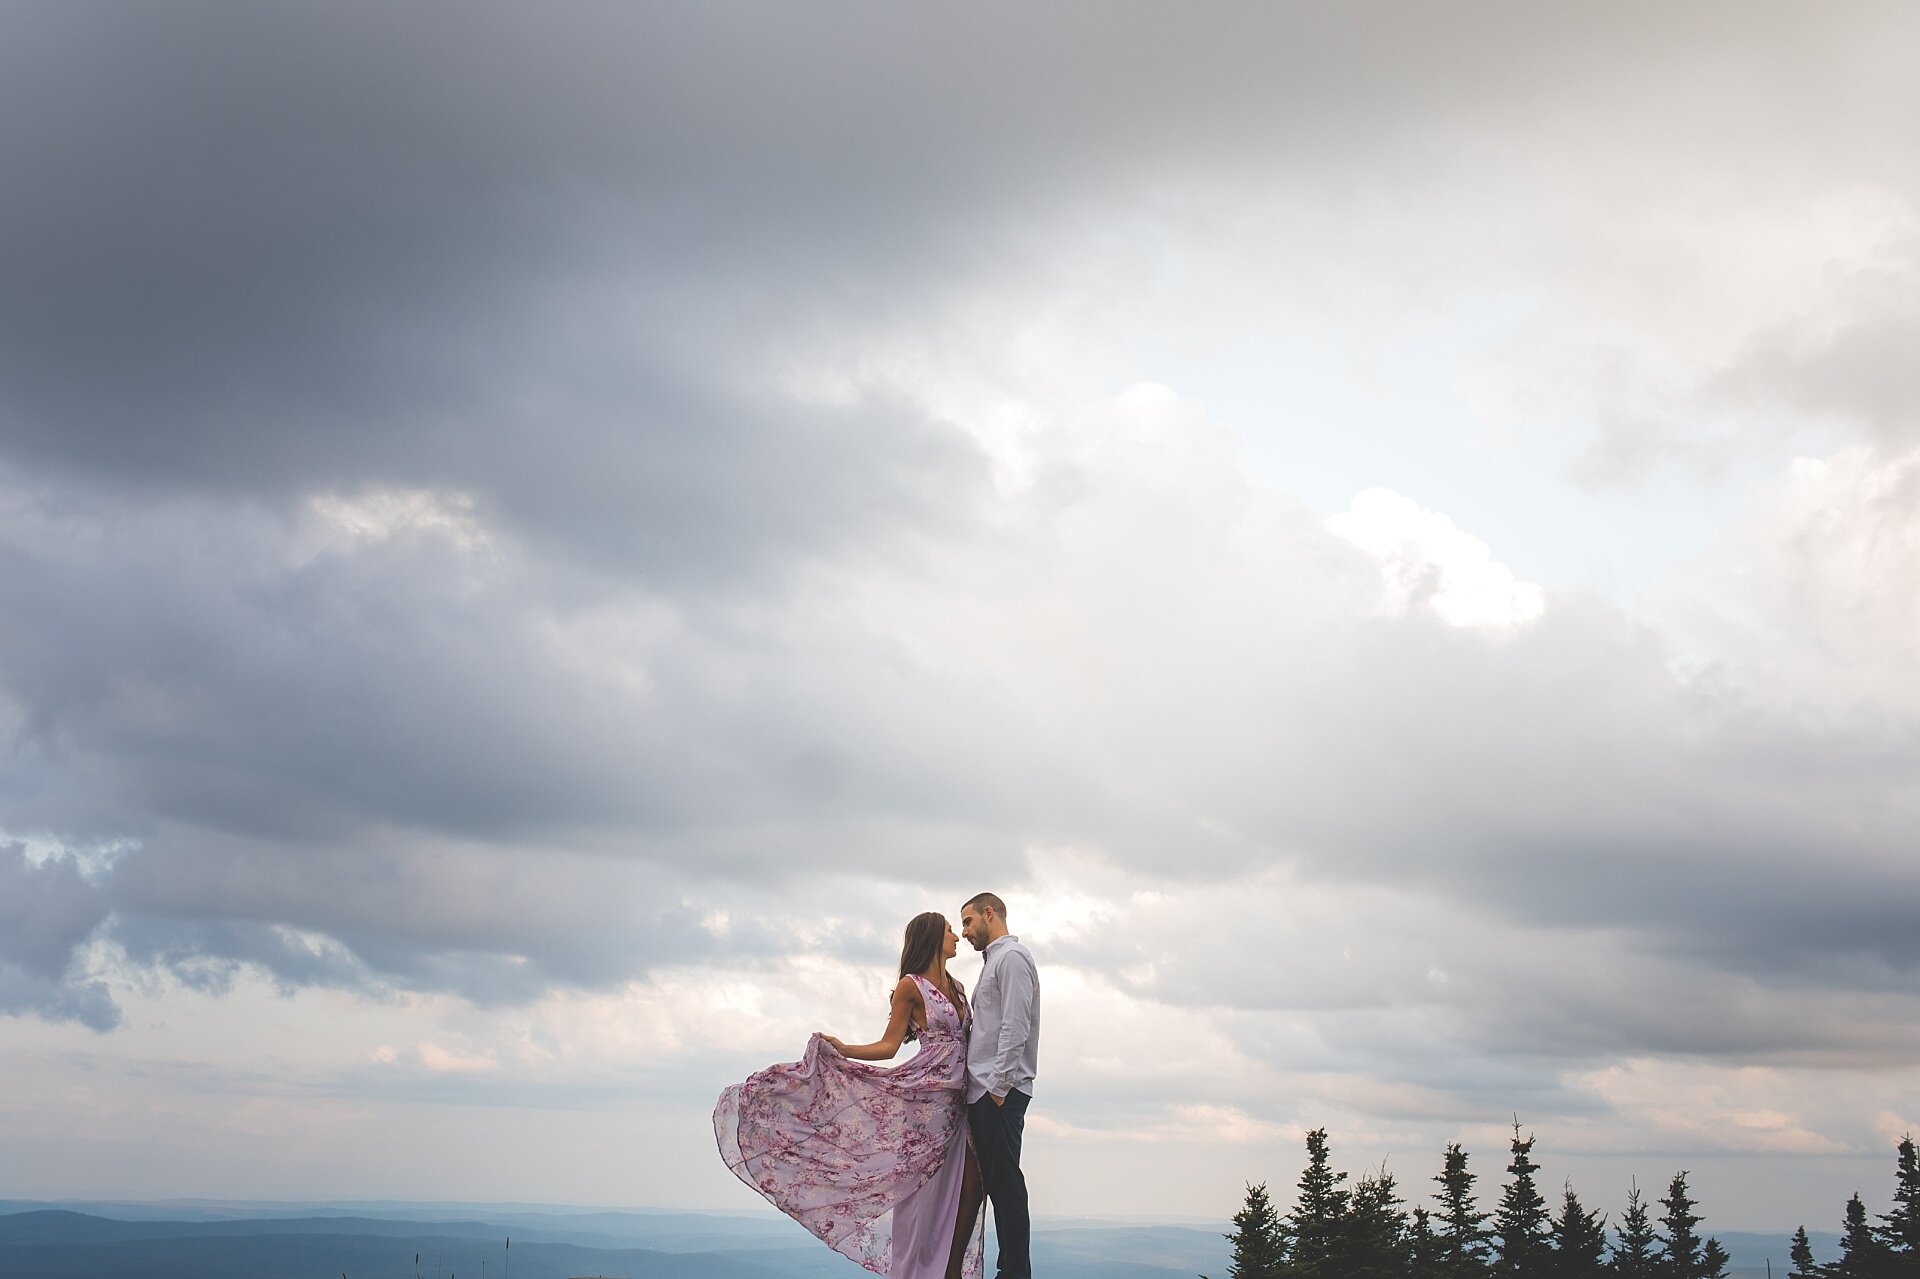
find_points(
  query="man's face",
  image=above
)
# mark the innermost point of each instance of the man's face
(973, 926)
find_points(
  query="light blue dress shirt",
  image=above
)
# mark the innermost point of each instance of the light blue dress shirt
(1003, 1048)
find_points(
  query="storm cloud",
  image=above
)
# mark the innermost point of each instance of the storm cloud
(520, 520)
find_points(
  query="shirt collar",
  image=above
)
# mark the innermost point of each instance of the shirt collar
(997, 942)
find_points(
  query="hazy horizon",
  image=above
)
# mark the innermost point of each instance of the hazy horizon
(374, 1238)
(763, 1213)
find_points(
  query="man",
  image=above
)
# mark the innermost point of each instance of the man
(1003, 1051)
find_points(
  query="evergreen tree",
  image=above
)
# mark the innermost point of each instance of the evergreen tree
(1318, 1217)
(1683, 1255)
(1520, 1227)
(1899, 1231)
(1579, 1240)
(1632, 1255)
(1679, 1241)
(1374, 1243)
(1259, 1245)
(1801, 1255)
(1423, 1247)
(1861, 1255)
(1461, 1240)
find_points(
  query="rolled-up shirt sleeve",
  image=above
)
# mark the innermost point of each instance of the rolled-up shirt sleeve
(1019, 991)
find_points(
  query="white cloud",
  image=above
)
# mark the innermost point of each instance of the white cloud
(1751, 1109)
(380, 514)
(1428, 561)
(1811, 601)
(442, 1060)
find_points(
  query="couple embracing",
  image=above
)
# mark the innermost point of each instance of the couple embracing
(889, 1165)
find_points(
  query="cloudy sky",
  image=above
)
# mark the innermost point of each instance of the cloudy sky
(532, 541)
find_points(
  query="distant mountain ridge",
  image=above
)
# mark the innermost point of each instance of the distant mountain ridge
(214, 1241)
(196, 1239)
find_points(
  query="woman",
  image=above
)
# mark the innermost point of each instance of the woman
(873, 1159)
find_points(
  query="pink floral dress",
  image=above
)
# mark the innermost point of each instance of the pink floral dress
(868, 1157)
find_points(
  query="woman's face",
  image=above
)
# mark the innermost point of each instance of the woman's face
(949, 944)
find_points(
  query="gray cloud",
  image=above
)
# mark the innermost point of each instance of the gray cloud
(265, 255)
(492, 924)
(553, 264)
(595, 514)
(331, 243)
(47, 912)
(379, 747)
(219, 674)
(1846, 356)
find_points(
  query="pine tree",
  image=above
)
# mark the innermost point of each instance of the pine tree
(1861, 1255)
(1801, 1254)
(1318, 1217)
(1632, 1255)
(1374, 1243)
(1579, 1240)
(1899, 1231)
(1259, 1245)
(1461, 1240)
(1520, 1227)
(1683, 1254)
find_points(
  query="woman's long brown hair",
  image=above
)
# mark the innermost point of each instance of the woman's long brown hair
(921, 947)
(925, 933)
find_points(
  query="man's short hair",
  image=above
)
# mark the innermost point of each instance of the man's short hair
(987, 901)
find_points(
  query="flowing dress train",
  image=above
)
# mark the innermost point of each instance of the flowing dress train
(869, 1158)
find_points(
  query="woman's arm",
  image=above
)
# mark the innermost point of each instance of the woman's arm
(905, 996)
